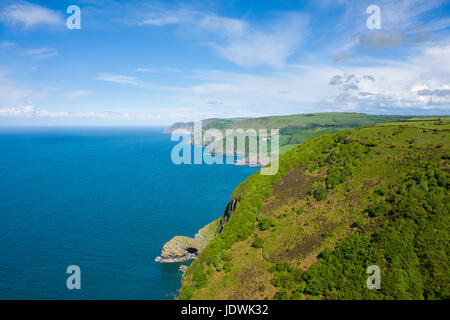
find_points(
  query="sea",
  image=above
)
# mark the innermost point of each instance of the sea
(105, 199)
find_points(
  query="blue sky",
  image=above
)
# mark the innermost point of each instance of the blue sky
(154, 63)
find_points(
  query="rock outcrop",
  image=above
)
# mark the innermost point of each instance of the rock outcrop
(229, 209)
(181, 248)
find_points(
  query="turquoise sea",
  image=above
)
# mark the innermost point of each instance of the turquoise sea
(105, 199)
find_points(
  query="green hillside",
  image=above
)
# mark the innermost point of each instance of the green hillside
(295, 129)
(371, 196)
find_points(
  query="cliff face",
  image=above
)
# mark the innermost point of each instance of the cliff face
(229, 209)
(181, 248)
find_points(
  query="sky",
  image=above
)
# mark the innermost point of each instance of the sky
(160, 62)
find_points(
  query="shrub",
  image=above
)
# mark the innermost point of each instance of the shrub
(360, 222)
(264, 223)
(258, 243)
(283, 294)
(226, 256)
(376, 209)
(200, 279)
(320, 193)
(227, 266)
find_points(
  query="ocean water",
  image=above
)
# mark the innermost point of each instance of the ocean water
(105, 199)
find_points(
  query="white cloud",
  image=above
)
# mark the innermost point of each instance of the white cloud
(249, 47)
(26, 111)
(145, 70)
(7, 44)
(32, 112)
(74, 94)
(41, 53)
(64, 114)
(237, 40)
(29, 15)
(12, 96)
(168, 17)
(383, 86)
(117, 78)
(405, 14)
(403, 23)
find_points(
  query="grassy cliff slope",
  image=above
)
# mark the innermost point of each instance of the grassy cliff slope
(339, 203)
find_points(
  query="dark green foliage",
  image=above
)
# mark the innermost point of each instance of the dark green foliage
(200, 279)
(320, 192)
(264, 223)
(360, 222)
(286, 276)
(227, 266)
(226, 256)
(283, 294)
(377, 208)
(344, 158)
(187, 292)
(258, 243)
(411, 250)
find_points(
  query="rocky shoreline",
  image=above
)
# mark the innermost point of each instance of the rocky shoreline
(181, 248)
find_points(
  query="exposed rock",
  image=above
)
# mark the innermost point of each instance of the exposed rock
(183, 268)
(180, 248)
(229, 210)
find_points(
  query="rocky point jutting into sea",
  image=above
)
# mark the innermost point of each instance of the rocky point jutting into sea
(181, 248)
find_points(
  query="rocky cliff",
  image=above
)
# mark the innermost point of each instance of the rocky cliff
(181, 248)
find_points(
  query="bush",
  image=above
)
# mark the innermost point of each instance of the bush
(360, 222)
(376, 209)
(187, 292)
(200, 279)
(258, 243)
(320, 193)
(227, 266)
(264, 223)
(226, 256)
(283, 294)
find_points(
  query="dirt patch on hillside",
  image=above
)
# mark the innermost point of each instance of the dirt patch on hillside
(294, 185)
(301, 247)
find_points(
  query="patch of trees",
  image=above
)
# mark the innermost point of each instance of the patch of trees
(411, 248)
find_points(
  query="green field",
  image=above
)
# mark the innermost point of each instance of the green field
(340, 202)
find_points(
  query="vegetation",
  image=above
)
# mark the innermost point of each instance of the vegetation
(371, 196)
(295, 129)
